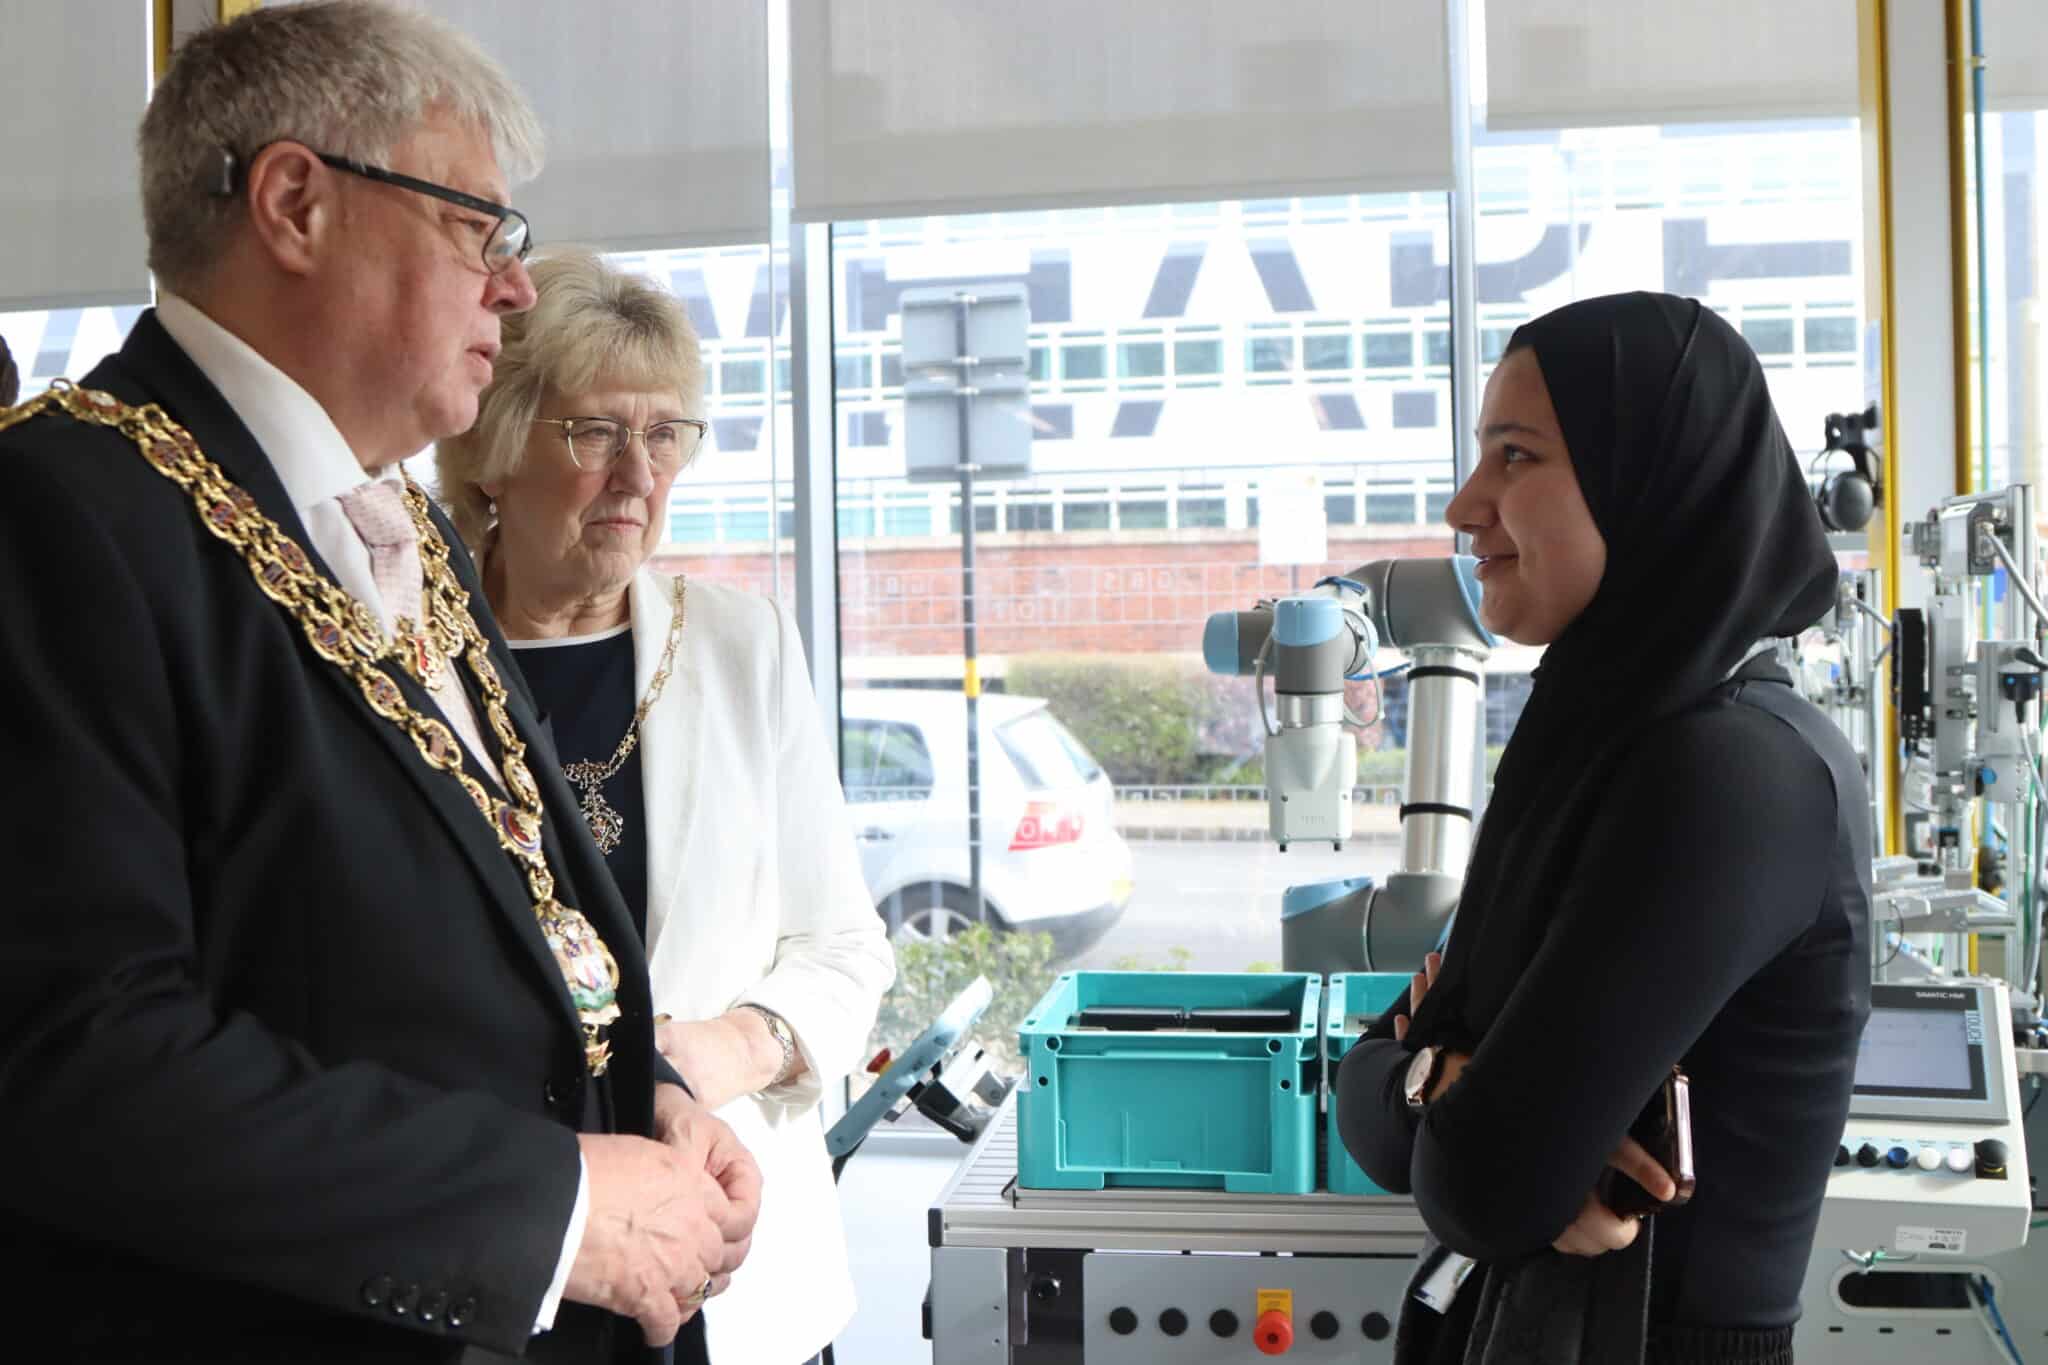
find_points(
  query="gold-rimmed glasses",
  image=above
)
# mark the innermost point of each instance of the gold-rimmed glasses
(596, 443)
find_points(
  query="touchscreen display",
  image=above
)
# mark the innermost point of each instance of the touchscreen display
(1915, 1050)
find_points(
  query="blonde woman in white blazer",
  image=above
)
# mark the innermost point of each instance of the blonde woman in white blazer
(683, 714)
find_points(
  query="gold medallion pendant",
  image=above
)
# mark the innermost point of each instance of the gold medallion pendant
(343, 631)
(590, 970)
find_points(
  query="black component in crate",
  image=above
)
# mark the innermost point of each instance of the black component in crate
(1131, 1018)
(1213, 1019)
(1223, 1020)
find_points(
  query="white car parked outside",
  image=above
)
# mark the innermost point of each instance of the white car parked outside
(1052, 858)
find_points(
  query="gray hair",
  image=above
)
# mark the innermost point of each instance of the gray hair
(350, 77)
(591, 321)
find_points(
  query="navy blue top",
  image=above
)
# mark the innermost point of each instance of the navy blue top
(585, 691)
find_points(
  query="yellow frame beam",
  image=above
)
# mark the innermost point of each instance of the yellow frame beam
(1962, 289)
(224, 11)
(1879, 270)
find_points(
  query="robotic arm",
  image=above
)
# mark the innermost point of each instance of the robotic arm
(1310, 644)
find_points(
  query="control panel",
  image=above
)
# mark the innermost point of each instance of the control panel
(1205, 1309)
(1932, 1160)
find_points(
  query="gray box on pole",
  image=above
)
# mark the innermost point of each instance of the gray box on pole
(998, 428)
(998, 326)
(989, 385)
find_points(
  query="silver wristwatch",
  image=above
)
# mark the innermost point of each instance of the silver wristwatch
(779, 1030)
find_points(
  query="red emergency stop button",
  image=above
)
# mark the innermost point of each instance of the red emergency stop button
(1273, 1333)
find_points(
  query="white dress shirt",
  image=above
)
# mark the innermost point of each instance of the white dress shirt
(316, 466)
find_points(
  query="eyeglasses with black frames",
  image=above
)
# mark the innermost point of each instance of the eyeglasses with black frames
(504, 244)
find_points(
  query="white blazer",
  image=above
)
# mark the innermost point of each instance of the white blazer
(755, 895)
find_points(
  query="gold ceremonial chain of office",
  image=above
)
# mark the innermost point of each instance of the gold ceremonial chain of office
(345, 633)
(606, 824)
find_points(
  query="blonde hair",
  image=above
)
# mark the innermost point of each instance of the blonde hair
(590, 321)
(349, 77)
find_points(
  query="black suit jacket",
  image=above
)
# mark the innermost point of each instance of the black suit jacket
(287, 1065)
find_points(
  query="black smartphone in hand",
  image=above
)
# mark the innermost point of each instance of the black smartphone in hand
(1664, 1130)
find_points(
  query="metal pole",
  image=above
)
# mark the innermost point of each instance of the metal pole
(1464, 255)
(814, 460)
(970, 683)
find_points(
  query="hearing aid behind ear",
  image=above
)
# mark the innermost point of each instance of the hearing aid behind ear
(221, 184)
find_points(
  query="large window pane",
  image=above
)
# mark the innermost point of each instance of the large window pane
(1188, 364)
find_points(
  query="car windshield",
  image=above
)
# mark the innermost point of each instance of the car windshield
(1046, 753)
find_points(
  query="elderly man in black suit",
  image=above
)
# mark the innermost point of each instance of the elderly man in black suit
(326, 1034)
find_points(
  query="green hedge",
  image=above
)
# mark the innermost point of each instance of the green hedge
(1144, 719)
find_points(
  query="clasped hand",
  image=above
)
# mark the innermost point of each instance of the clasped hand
(1418, 987)
(1596, 1229)
(666, 1216)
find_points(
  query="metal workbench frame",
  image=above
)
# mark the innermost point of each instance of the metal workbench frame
(981, 1206)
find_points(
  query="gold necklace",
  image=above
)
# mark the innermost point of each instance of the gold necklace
(606, 824)
(346, 634)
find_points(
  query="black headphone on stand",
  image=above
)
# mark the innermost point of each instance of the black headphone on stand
(1848, 497)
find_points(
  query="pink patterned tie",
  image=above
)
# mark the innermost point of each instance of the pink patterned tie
(377, 510)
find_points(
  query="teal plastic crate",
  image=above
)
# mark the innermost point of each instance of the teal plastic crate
(1351, 1001)
(1177, 1109)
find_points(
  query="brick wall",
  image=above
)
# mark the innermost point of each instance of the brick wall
(1134, 592)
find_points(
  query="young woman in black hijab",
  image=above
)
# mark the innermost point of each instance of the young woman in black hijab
(1674, 868)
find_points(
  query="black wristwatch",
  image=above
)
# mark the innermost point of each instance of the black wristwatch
(1423, 1069)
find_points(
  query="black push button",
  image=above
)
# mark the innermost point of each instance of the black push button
(1122, 1321)
(1842, 1157)
(376, 1290)
(1991, 1159)
(1376, 1327)
(1868, 1155)
(433, 1307)
(403, 1301)
(461, 1314)
(1223, 1323)
(1173, 1322)
(1324, 1325)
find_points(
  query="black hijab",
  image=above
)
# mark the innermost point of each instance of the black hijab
(1713, 543)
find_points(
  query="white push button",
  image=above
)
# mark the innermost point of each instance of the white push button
(1961, 1160)
(1928, 1159)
